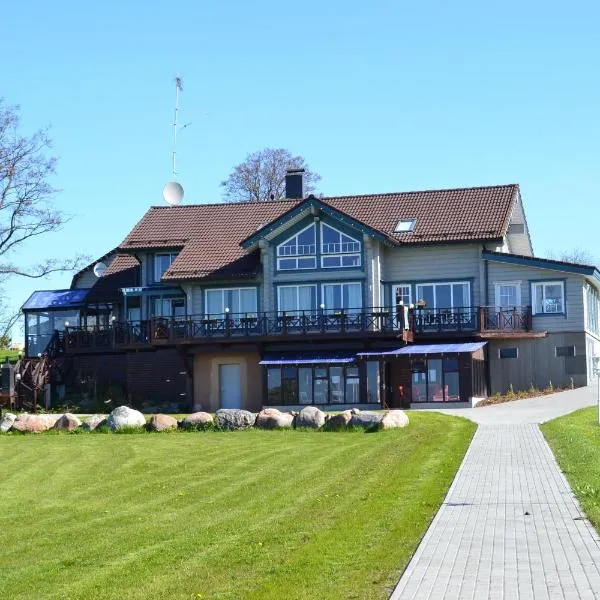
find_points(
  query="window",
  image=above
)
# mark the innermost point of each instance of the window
(301, 250)
(339, 250)
(548, 297)
(445, 295)
(289, 385)
(592, 301)
(435, 380)
(508, 294)
(297, 298)
(237, 300)
(508, 353)
(161, 263)
(342, 296)
(168, 307)
(565, 351)
(405, 225)
(403, 294)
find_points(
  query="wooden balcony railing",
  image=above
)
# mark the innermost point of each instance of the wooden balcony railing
(497, 318)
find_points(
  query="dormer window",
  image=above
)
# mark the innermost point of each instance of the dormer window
(338, 249)
(405, 226)
(161, 263)
(299, 251)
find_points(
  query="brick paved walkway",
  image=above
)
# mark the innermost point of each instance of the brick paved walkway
(509, 528)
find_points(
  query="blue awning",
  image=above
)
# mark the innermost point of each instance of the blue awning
(304, 359)
(56, 299)
(428, 349)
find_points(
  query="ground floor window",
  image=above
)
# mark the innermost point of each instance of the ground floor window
(435, 380)
(315, 384)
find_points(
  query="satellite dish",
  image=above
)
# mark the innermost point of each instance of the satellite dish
(99, 269)
(173, 193)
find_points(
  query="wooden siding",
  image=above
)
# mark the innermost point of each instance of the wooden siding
(519, 243)
(574, 319)
(433, 263)
(537, 363)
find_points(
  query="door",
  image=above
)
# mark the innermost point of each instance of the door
(230, 386)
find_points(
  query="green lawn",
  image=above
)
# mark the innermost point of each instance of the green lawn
(575, 441)
(253, 514)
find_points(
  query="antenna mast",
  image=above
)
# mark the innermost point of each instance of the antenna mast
(178, 88)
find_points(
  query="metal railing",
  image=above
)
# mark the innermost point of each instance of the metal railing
(431, 320)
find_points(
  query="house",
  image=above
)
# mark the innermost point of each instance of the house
(385, 299)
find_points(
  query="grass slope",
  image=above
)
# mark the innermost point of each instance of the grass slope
(575, 441)
(254, 514)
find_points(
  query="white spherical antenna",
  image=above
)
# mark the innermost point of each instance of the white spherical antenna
(173, 193)
(99, 269)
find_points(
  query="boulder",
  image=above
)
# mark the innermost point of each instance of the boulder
(7, 422)
(366, 419)
(339, 421)
(310, 417)
(234, 418)
(394, 419)
(67, 422)
(34, 423)
(123, 416)
(355, 411)
(161, 423)
(197, 420)
(271, 418)
(94, 422)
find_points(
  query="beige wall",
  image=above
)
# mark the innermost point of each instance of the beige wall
(206, 380)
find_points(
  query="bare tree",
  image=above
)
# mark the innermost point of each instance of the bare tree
(261, 176)
(26, 197)
(575, 255)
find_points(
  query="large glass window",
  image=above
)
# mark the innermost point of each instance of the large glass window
(172, 308)
(338, 249)
(445, 295)
(435, 380)
(237, 300)
(162, 262)
(42, 325)
(548, 297)
(342, 296)
(299, 251)
(288, 385)
(293, 299)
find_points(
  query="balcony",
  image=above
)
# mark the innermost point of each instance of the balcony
(264, 326)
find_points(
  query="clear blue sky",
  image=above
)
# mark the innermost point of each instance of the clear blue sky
(378, 96)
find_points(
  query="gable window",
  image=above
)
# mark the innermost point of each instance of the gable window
(338, 249)
(299, 251)
(405, 226)
(161, 263)
(548, 297)
(237, 300)
(508, 294)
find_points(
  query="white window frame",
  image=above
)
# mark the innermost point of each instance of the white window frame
(331, 309)
(295, 259)
(229, 289)
(450, 283)
(281, 245)
(395, 286)
(297, 287)
(354, 251)
(534, 291)
(498, 284)
(508, 357)
(171, 255)
(340, 265)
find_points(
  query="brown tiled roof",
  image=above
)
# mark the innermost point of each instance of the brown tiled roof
(122, 272)
(209, 235)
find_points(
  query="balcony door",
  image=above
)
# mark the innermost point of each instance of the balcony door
(342, 296)
(296, 299)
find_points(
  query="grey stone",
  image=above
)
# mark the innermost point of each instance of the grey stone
(161, 423)
(234, 418)
(94, 422)
(366, 419)
(271, 418)
(123, 416)
(338, 421)
(67, 422)
(7, 421)
(355, 411)
(310, 417)
(197, 420)
(394, 419)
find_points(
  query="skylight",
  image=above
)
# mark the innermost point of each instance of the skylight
(405, 225)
